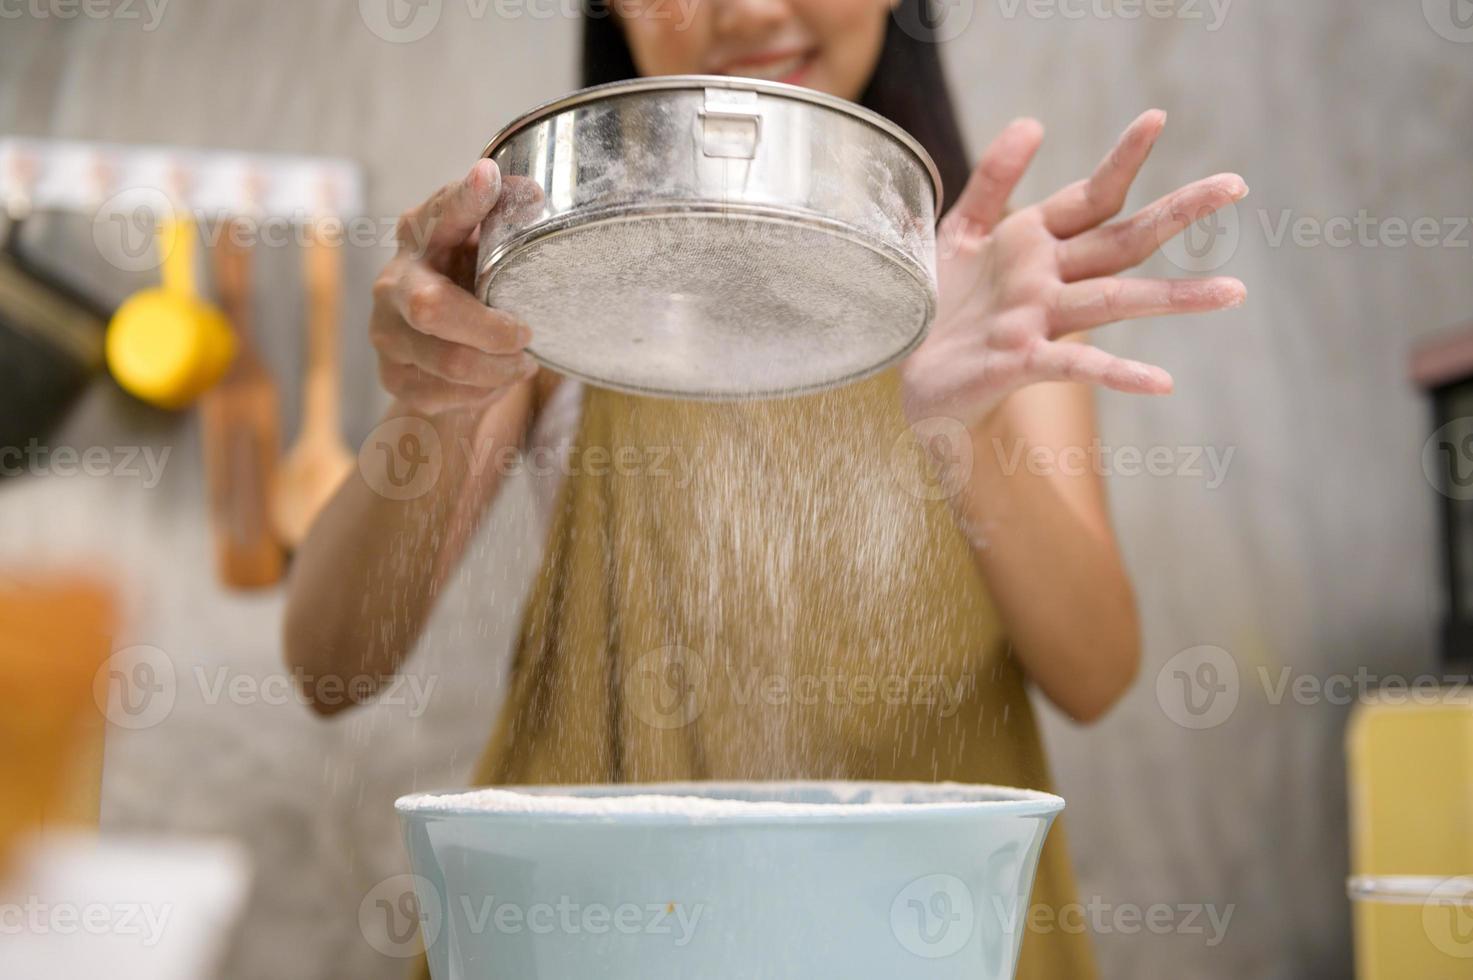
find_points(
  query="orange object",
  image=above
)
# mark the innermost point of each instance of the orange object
(57, 636)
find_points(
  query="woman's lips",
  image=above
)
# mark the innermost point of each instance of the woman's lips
(776, 66)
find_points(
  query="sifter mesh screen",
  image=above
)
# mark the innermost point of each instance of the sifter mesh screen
(710, 305)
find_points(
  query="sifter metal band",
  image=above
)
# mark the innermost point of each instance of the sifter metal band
(712, 237)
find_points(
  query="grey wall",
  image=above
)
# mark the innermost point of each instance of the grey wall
(1314, 553)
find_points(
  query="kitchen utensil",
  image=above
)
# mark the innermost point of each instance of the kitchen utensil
(51, 342)
(166, 345)
(712, 237)
(241, 433)
(319, 460)
(858, 880)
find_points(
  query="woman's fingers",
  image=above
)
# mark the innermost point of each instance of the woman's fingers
(1125, 244)
(1087, 203)
(1095, 302)
(430, 394)
(399, 343)
(433, 304)
(439, 347)
(443, 222)
(1083, 363)
(982, 201)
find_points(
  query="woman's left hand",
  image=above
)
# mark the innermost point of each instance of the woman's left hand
(1014, 287)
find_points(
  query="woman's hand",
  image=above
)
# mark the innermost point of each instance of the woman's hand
(440, 349)
(1012, 288)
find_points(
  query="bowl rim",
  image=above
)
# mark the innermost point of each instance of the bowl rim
(562, 803)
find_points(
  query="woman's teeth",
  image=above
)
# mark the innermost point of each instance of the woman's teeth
(782, 70)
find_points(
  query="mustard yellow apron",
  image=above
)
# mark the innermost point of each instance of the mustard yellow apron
(769, 590)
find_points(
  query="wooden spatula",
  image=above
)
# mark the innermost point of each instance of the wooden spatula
(242, 437)
(319, 459)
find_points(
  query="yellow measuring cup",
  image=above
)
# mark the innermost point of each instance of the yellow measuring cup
(166, 345)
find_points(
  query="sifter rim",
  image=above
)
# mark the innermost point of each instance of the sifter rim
(662, 83)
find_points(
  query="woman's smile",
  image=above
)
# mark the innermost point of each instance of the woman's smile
(828, 45)
(788, 65)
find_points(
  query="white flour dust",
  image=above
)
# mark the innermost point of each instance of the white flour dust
(798, 574)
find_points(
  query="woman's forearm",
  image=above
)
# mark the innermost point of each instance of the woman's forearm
(365, 580)
(1052, 568)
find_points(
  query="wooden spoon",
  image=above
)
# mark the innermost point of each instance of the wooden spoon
(242, 437)
(319, 460)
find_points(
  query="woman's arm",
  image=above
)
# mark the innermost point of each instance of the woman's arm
(1034, 510)
(364, 581)
(1005, 359)
(366, 578)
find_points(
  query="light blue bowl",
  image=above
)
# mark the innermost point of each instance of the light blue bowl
(752, 880)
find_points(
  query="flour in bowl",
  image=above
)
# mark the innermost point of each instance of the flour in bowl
(716, 801)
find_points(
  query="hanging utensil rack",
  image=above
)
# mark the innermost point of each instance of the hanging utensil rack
(99, 178)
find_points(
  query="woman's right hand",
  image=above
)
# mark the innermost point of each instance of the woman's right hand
(440, 349)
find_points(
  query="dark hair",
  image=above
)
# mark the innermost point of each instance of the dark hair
(907, 87)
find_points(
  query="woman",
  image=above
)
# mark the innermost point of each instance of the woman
(799, 597)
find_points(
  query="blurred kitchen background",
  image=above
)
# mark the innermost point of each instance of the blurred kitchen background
(1289, 538)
